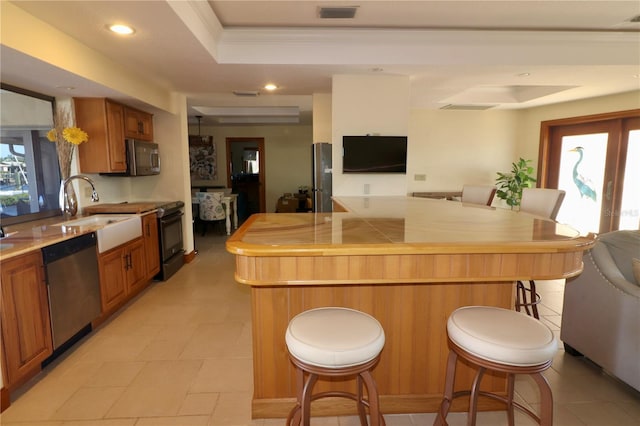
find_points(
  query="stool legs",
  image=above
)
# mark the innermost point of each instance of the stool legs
(301, 413)
(522, 301)
(448, 390)
(546, 399)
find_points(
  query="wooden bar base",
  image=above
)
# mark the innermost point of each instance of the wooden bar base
(411, 371)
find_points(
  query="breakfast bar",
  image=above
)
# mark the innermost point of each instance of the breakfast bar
(407, 261)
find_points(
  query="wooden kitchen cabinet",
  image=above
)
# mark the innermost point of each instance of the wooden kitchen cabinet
(122, 273)
(136, 273)
(24, 312)
(138, 124)
(103, 120)
(151, 245)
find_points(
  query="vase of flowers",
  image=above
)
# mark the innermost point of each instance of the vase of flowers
(66, 139)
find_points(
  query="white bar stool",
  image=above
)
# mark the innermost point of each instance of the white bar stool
(500, 340)
(334, 342)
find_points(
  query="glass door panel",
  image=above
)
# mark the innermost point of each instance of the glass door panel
(594, 159)
(581, 176)
(630, 205)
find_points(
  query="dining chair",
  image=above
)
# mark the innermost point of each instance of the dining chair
(211, 209)
(544, 202)
(478, 194)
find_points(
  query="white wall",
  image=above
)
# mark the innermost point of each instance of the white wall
(322, 117)
(368, 104)
(456, 147)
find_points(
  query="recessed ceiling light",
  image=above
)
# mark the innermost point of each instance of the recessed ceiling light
(69, 88)
(270, 87)
(524, 74)
(121, 29)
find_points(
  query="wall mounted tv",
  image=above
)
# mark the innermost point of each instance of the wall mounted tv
(374, 154)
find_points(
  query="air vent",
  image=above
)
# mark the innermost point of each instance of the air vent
(337, 12)
(468, 107)
(246, 93)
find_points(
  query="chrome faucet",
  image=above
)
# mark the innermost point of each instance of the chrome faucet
(70, 205)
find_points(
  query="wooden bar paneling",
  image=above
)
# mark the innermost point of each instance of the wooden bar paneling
(413, 359)
(415, 268)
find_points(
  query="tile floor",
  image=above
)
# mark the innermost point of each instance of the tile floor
(180, 354)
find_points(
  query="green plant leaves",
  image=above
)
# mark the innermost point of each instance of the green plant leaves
(510, 185)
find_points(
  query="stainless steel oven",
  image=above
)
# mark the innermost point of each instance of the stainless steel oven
(170, 238)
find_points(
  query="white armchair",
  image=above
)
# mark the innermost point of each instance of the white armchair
(601, 312)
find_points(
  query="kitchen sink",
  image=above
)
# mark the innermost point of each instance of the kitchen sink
(112, 230)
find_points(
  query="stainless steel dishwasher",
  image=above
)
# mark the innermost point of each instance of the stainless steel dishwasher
(73, 282)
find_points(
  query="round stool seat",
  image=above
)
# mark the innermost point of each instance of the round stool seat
(501, 335)
(334, 337)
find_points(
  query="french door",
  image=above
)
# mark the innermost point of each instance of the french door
(596, 160)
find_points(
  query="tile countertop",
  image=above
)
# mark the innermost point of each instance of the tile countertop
(402, 225)
(25, 237)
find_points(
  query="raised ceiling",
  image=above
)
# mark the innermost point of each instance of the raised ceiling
(493, 54)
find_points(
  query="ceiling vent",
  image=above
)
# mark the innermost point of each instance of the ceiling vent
(246, 93)
(468, 107)
(348, 12)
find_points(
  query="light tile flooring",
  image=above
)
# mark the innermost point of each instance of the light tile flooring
(180, 354)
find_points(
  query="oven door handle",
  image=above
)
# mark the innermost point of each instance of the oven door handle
(174, 217)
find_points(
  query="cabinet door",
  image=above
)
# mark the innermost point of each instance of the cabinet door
(116, 146)
(103, 120)
(151, 248)
(138, 124)
(112, 278)
(26, 330)
(136, 268)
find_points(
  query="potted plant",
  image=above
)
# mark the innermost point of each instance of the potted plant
(510, 185)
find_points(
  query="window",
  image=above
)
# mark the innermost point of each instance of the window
(29, 171)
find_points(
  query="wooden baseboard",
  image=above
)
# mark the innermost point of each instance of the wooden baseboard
(189, 257)
(389, 404)
(5, 399)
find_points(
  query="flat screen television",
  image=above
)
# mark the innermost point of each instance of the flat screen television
(374, 154)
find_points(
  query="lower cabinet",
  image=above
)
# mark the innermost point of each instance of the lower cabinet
(122, 273)
(151, 248)
(24, 313)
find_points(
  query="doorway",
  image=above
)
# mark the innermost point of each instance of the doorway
(594, 159)
(246, 174)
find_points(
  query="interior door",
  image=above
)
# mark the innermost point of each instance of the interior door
(246, 174)
(596, 163)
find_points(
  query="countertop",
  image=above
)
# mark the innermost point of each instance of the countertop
(25, 237)
(137, 207)
(403, 225)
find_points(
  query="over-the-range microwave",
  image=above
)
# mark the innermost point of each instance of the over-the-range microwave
(143, 158)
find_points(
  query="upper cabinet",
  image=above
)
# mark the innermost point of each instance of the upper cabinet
(138, 124)
(108, 123)
(103, 120)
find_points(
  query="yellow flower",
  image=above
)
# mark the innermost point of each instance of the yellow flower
(75, 135)
(52, 135)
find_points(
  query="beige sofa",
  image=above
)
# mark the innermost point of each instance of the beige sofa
(601, 312)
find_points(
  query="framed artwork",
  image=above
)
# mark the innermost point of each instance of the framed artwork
(202, 158)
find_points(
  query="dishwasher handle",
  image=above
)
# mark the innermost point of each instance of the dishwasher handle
(68, 247)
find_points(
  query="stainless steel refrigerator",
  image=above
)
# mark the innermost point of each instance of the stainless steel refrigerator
(322, 177)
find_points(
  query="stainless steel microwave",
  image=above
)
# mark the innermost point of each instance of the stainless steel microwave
(143, 158)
